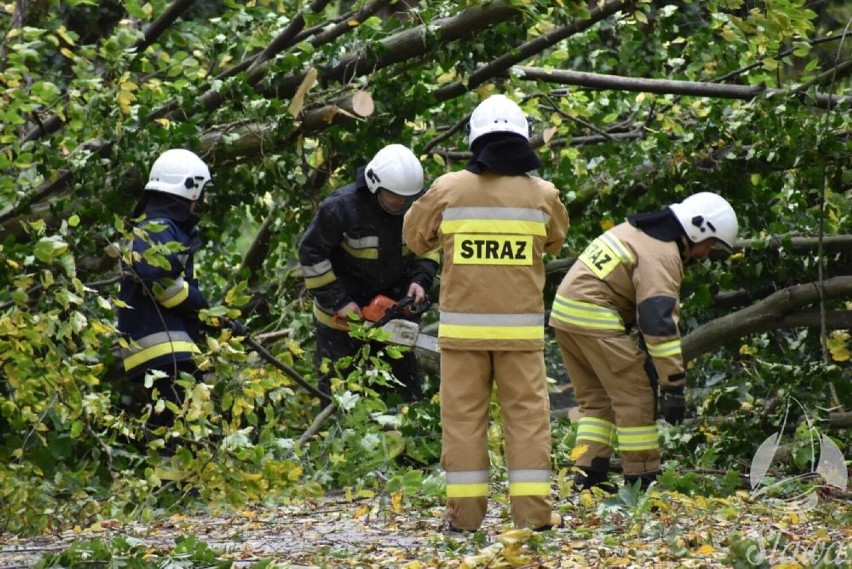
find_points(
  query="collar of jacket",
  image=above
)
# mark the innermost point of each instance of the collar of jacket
(503, 153)
(662, 225)
(172, 207)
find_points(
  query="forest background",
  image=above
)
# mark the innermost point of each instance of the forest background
(635, 105)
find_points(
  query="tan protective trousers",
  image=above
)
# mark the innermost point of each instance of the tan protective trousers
(616, 400)
(467, 379)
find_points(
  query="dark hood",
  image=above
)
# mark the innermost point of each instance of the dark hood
(159, 204)
(503, 153)
(662, 225)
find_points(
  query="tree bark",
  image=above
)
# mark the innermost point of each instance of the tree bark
(768, 314)
(668, 86)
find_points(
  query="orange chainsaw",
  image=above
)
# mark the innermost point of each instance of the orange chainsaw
(389, 315)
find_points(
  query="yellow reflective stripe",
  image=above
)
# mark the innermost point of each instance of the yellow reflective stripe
(529, 489)
(367, 253)
(148, 354)
(490, 332)
(316, 282)
(596, 430)
(329, 320)
(462, 325)
(585, 314)
(493, 226)
(665, 350)
(467, 490)
(638, 438)
(433, 255)
(174, 294)
(467, 483)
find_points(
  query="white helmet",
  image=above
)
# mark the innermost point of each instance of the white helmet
(706, 215)
(396, 169)
(497, 113)
(179, 172)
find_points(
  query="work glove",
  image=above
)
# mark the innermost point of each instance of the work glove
(672, 404)
(238, 328)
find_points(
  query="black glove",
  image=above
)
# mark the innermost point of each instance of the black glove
(238, 328)
(672, 404)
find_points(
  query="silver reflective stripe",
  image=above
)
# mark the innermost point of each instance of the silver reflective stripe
(155, 339)
(464, 319)
(316, 270)
(514, 213)
(618, 248)
(529, 476)
(363, 242)
(467, 477)
(174, 289)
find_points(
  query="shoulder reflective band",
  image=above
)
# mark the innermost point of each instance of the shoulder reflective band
(638, 438)
(604, 254)
(529, 483)
(514, 220)
(585, 314)
(596, 430)
(491, 326)
(493, 249)
(363, 247)
(467, 484)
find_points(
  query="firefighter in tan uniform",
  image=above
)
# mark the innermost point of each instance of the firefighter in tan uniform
(631, 275)
(493, 222)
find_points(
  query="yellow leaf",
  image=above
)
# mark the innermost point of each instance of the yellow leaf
(396, 502)
(706, 549)
(746, 350)
(299, 98)
(125, 99)
(579, 451)
(838, 345)
(607, 224)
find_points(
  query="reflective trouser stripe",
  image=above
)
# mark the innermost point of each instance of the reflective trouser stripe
(586, 314)
(638, 438)
(529, 326)
(664, 350)
(175, 294)
(529, 483)
(467, 484)
(153, 346)
(596, 430)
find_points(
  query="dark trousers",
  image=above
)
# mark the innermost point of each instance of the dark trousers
(336, 344)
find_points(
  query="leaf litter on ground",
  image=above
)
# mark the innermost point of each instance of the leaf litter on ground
(665, 529)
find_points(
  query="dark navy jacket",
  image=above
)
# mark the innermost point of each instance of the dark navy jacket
(161, 325)
(353, 250)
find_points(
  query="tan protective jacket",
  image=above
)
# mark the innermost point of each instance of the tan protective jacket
(492, 230)
(624, 277)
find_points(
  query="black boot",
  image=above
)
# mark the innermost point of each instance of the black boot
(645, 479)
(594, 475)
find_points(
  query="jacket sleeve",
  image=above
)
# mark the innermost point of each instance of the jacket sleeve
(422, 224)
(557, 227)
(322, 237)
(424, 268)
(657, 282)
(160, 262)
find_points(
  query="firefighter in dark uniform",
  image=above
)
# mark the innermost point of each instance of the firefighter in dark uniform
(159, 319)
(631, 276)
(494, 222)
(353, 251)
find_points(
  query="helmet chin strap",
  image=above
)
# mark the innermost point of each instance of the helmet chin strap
(402, 209)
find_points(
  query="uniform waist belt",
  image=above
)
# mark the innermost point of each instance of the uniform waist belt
(153, 346)
(329, 320)
(586, 314)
